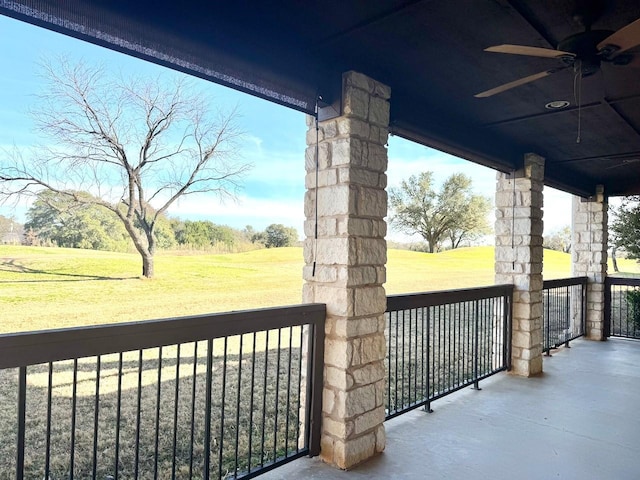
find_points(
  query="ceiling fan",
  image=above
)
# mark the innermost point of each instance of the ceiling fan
(583, 52)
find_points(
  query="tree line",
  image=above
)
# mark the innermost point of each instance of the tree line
(55, 220)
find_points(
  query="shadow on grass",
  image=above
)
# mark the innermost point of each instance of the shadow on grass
(10, 265)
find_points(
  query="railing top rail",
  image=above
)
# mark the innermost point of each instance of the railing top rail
(564, 282)
(632, 282)
(29, 348)
(440, 297)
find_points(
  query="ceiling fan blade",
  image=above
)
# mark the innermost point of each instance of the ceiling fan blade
(624, 39)
(529, 51)
(517, 83)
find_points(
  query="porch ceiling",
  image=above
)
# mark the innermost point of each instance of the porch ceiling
(429, 52)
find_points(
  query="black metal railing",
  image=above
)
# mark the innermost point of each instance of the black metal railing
(440, 342)
(622, 307)
(564, 310)
(214, 396)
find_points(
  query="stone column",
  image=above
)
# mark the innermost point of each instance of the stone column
(350, 254)
(589, 255)
(518, 258)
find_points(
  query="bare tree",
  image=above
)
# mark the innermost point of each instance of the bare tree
(137, 146)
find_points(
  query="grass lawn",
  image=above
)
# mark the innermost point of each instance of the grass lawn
(56, 287)
(53, 287)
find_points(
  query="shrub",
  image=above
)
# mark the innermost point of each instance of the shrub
(633, 300)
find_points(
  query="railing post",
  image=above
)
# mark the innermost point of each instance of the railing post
(22, 410)
(476, 349)
(546, 294)
(567, 316)
(314, 392)
(427, 405)
(508, 320)
(607, 307)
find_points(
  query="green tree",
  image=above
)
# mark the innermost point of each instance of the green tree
(277, 235)
(559, 240)
(625, 226)
(54, 218)
(453, 213)
(141, 144)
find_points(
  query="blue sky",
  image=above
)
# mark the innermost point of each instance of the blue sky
(275, 137)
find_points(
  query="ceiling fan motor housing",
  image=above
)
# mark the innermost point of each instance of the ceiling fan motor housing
(585, 46)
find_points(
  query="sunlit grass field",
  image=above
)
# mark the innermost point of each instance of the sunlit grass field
(44, 288)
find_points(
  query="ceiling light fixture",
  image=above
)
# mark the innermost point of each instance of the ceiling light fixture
(557, 104)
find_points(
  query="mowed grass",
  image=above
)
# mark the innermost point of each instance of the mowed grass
(42, 288)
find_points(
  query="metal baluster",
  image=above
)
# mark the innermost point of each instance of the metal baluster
(193, 407)
(22, 410)
(116, 463)
(74, 404)
(157, 421)
(48, 434)
(138, 415)
(176, 397)
(96, 413)
(235, 469)
(222, 405)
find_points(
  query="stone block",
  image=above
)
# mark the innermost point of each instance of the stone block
(371, 202)
(338, 378)
(354, 127)
(369, 301)
(371, 373)
(328, 129)
(521, 340)
(323, 273)
(377, 158)
(371, 348)
(348, 454)
(355, 102)
(371, 251)
(340, 429)
(359, 176)
(381, 90)
(369, 421)
(358, 276)
(346, 151)
(356, 227)
(380, 439)
(335, 200)
(328, 400)
(358, 400)
(338, 353)
(358, 80)
(336, 251)
(378, 111)
(339, 300)
(314, 136)
(384, 136)
(326, 178)
(350, 328)
(327, 227)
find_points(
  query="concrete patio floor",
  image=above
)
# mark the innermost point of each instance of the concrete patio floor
(579, 420)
